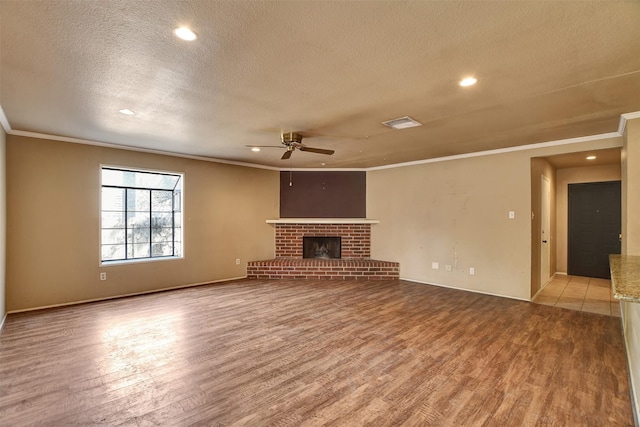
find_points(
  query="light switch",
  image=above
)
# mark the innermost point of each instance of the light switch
(512, 214)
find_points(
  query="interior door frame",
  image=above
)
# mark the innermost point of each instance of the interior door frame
(545, 230)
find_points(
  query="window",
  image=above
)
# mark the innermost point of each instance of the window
(141, 215)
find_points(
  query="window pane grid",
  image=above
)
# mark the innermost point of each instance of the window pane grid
(140, 222)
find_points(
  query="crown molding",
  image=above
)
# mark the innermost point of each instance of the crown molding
(322, 169)
(137, 149)
(621, 127)
(501, 150)
(623, 120)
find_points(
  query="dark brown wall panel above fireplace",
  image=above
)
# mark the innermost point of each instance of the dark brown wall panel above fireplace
(323, 195)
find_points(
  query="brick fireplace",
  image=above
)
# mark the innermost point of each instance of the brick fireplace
(356, 238)
(354, 264)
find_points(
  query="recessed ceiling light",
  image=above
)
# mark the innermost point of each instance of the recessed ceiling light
(256, 149)
(402, 123)
(127, 112)
(591, 157)
(185, 33)
(468, 81)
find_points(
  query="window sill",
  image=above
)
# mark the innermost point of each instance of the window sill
(139, 260)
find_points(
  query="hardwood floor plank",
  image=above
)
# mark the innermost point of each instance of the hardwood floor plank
(336, 353)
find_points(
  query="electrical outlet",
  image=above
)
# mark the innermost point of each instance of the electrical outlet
(237, 261)
(512, 214)
(447, 267)
(103, 276)
(435, 265)
(472, 271)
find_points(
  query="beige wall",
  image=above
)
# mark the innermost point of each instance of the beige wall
(631, 188)
(3, 229)
(631, 246)
(456, 212)
(53, 191)
(574, 176)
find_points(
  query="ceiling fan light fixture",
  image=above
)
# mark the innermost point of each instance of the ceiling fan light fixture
(468, 81)
(402, 123)
(291, 137)
(185, 33)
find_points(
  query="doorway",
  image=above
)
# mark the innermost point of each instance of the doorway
(594, 227)
(545, 235)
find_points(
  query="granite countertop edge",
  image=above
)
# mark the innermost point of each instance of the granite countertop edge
(625, 277)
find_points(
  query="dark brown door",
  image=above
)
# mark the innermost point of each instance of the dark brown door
(594, 227)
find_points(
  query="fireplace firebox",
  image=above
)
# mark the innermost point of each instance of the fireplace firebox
(321, 247)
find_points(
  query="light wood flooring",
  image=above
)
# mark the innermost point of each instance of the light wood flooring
(286, 353)
(580, 293)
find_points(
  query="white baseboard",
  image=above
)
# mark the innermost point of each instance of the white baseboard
(191, 285)
(542, 287)
(557, 273)
(539, 290)
(2, 322)
(464, 289)
(633, 388)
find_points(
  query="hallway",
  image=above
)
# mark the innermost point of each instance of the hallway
(580, 293)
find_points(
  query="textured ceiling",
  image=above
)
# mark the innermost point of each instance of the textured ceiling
(331, 70)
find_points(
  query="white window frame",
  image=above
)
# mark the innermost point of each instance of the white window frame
(178, 238)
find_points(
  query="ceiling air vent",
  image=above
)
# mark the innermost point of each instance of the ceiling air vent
(402, 123)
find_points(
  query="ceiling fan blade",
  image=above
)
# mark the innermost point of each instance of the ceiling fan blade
(316, 150)
(286, 155)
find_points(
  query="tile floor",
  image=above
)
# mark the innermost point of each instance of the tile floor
(581, 294)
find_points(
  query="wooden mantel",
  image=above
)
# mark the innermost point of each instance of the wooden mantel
(323, 221)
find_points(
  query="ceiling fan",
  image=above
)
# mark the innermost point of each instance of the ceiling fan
(293, 141)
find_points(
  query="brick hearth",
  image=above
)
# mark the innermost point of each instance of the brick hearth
(323, 269)
(354, 265)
